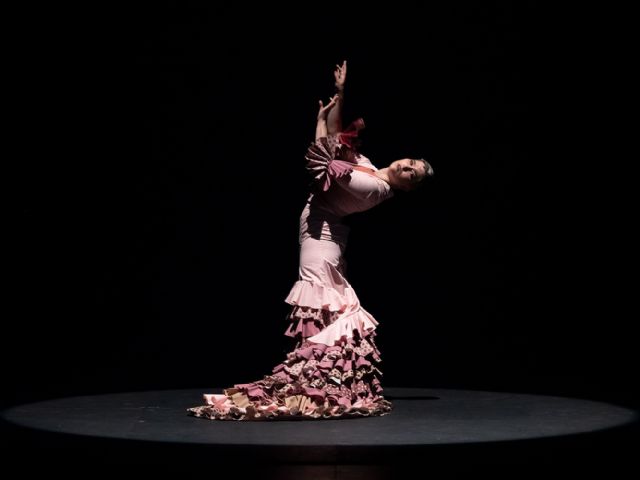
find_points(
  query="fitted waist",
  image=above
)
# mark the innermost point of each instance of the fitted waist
(322, 225)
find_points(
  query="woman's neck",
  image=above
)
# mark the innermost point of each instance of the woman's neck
(382, 173)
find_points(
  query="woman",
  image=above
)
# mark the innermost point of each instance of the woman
(332, 371)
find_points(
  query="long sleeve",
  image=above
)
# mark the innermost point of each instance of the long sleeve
(366, 187)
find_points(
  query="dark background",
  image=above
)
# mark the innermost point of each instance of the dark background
(161, 176)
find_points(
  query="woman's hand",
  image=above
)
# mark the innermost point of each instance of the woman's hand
(321, 126)
(324, 109)
(340, 75)
(334, 120)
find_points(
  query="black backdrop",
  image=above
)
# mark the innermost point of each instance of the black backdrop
(161, 176)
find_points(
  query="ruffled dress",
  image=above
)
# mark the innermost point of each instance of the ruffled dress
(333, 371)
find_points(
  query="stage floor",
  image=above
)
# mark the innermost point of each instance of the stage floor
(427, 426)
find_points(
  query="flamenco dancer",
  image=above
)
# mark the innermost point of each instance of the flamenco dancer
(333, 371)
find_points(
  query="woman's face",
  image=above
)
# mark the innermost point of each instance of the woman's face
(406, 173)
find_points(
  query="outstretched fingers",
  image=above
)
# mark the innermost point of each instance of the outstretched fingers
(340, 74)
(324, 109)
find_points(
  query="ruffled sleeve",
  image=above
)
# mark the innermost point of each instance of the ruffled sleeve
(333, 157)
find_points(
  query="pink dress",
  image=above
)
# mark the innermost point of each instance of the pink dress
(332, 371)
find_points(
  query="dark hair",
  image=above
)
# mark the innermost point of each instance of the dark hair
(427, 167)
(428, 172)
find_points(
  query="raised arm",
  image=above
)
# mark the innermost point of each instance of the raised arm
(334, 119)
(323, 112)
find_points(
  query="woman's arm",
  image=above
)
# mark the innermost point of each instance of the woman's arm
(321, 126)
(334, 119)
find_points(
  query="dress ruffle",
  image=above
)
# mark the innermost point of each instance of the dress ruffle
(347, 315)
(315, 295)
(307, 322)
(329, 328)
(346, 325)
(315, 381)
